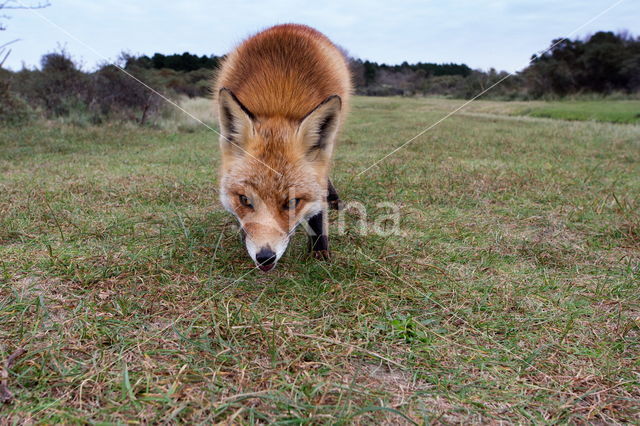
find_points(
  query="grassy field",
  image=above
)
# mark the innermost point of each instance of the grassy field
(605, 110)
(510, 295)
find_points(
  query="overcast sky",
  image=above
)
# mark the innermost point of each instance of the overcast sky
(481, 33)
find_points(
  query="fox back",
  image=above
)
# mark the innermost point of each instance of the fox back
(282, 97)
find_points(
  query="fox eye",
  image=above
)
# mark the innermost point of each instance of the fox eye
(291, 204)
(245, 201)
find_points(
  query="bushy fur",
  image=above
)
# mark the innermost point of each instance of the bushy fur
(282, 96)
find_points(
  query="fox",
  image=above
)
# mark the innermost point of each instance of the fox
(282, 97)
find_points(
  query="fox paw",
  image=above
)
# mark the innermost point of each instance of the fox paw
(321, 254)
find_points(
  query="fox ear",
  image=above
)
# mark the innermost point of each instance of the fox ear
(318, 128)
(236, 121)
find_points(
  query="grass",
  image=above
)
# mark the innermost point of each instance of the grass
(195, 111)
(601, 110)
(511, 294)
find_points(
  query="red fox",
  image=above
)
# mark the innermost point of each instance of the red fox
(282, 97)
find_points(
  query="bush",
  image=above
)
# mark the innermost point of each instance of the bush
(60, 89)
(116, 94)
(444, 85)
(13, 109)
(61, 86)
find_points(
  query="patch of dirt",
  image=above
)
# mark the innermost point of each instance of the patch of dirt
(406, 393)
(51, 293)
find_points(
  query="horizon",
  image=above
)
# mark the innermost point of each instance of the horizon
(505, 35)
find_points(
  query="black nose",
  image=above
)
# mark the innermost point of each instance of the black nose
(265, 256)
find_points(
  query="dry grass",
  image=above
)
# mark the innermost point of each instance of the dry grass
(198, 111)
(511, 296)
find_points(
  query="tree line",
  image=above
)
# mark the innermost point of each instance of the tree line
(603, 63)
(185, 62)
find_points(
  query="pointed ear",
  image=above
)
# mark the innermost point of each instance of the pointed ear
(318, 128)
(236, 121)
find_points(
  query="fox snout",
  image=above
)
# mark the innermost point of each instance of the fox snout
(266, 259)
(265, 244)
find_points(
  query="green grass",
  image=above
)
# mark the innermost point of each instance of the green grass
(511, 295)
(601, 110)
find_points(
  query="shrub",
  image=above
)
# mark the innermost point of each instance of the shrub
(444, 85)
(60, 89)
(13, 109)
(116, 94)
(61, 86)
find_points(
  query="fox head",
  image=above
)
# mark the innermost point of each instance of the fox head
(274, 171)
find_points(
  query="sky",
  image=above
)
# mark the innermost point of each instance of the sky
(481, 33)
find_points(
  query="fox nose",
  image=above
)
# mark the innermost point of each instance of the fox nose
(266, 259)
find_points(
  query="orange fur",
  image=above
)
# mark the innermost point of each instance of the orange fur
(276, 92)
(285, 71)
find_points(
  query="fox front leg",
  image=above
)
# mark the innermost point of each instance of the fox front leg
(333, 199)
(318, 239)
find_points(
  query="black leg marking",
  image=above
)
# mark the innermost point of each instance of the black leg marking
(318, 239)
(333, 198)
